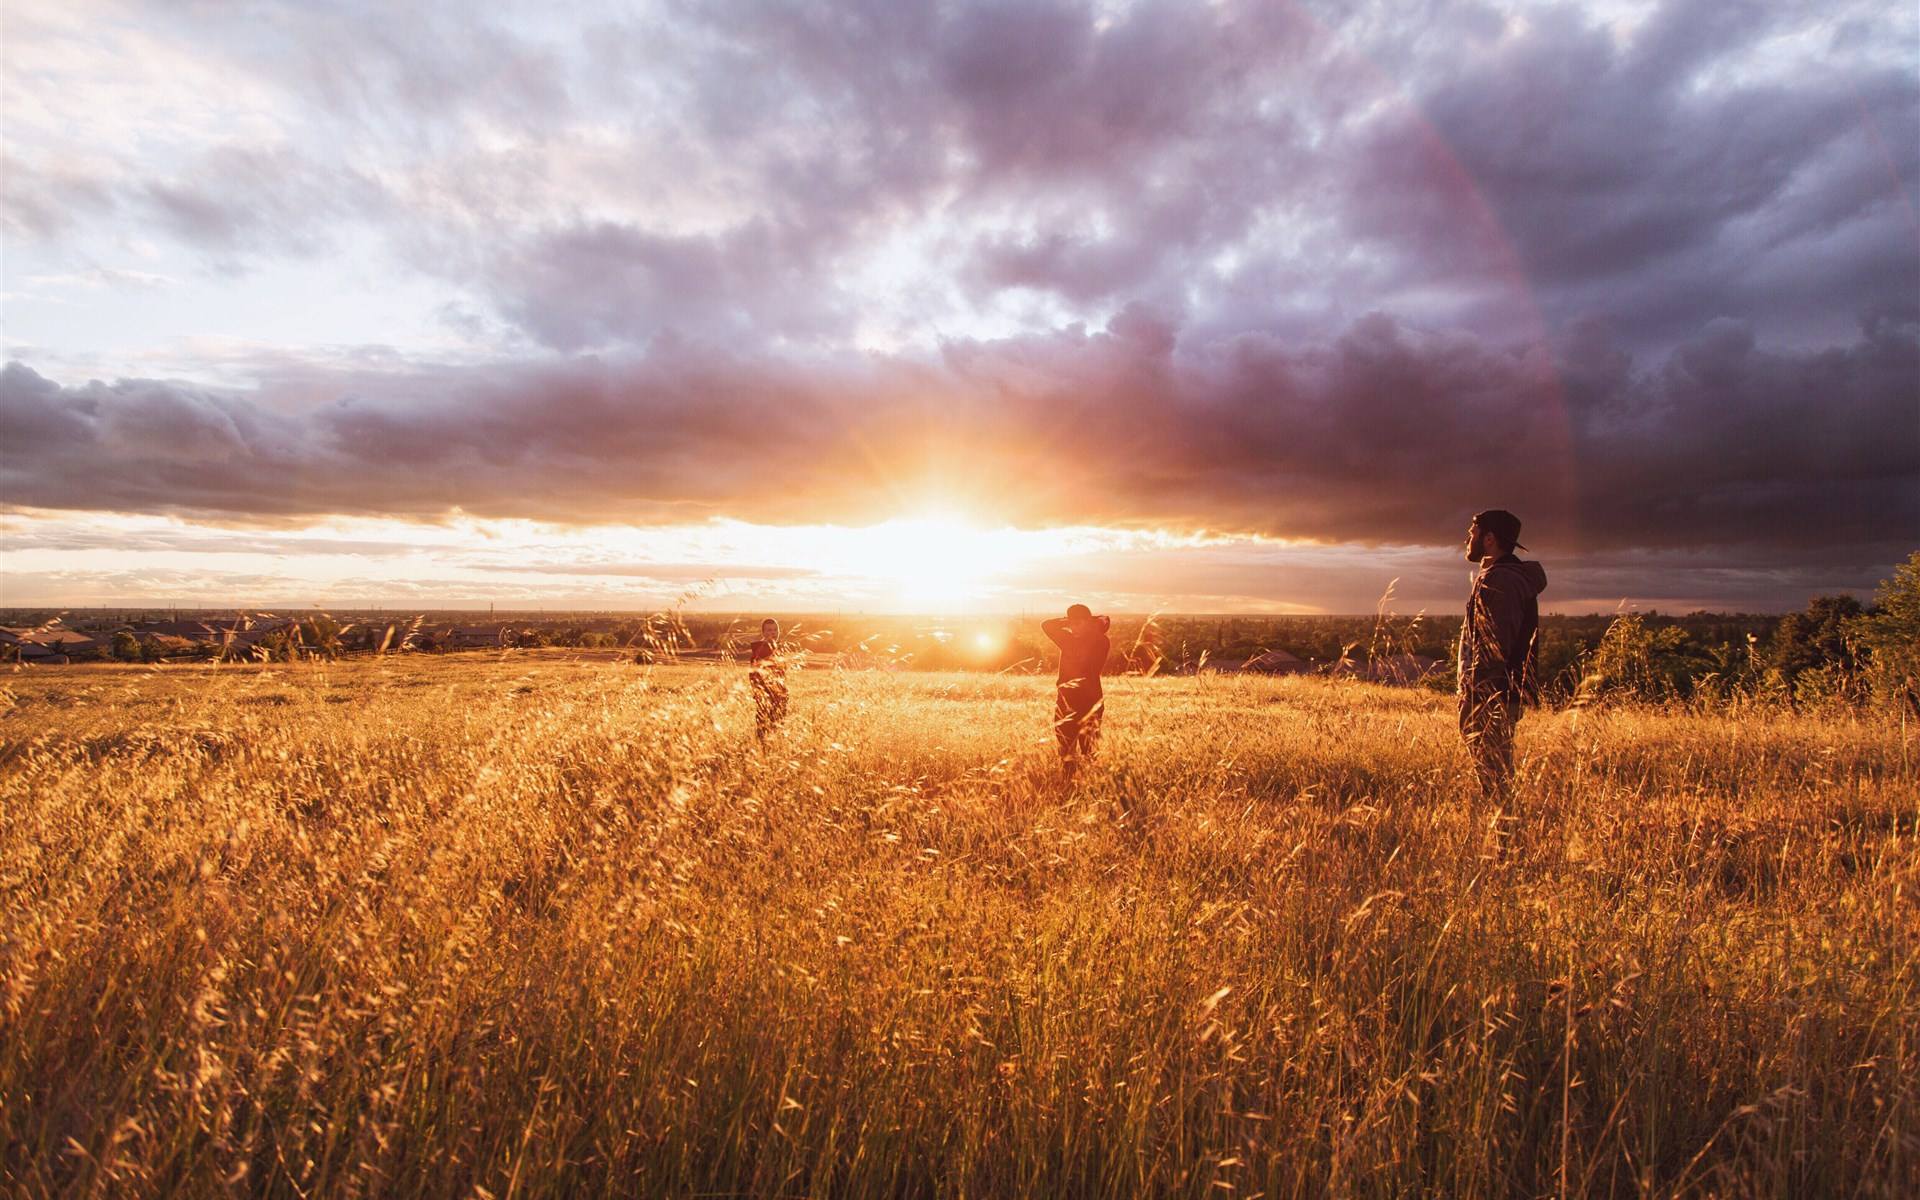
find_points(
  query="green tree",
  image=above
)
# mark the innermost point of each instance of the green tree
(1640, 661)
(1819, 638)
(279, 646)
(126, 647)
(321, 635)
(1890, 634)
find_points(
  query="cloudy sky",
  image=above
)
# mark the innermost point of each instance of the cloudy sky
(899, 304)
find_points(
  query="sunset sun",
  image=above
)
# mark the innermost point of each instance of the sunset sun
(935, 563)
(982, 597)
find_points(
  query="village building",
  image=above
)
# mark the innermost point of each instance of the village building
(477, 637)
(1277, 662)
(49, 644)
(235, 636)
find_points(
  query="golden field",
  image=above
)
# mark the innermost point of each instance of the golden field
(525, 926)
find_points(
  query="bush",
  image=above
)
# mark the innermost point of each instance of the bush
(1829, 685)
(1890, 636)
(1815, 639)
(1639, 662)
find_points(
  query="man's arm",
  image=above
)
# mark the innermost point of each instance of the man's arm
(1056, 630)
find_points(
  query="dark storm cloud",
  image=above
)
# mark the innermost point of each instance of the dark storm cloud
(1385, 434)
(844, 123)
(1408, 581)
(1241, 159)
(1245, 163)
(1373, 267)
(588, 285)
(1615, 183)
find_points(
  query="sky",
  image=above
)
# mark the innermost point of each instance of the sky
(896, 305)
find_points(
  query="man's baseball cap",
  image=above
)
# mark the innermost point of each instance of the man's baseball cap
(1078, 610)
(1501, 524)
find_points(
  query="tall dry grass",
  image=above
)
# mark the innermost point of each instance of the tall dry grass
(520, 928)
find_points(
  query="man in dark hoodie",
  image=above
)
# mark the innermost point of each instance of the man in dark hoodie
(1079, 702)
(1497, 646)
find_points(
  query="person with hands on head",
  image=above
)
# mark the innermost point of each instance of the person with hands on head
(1079, 702)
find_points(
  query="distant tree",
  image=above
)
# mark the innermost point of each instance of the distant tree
(322, 635)
(1890, 635)
(1815, 640)
(1731, 669)
(126, 647)
(1558, 667)
(1641, 661)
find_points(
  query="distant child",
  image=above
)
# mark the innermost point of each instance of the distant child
(1079, 702)
(768, 675)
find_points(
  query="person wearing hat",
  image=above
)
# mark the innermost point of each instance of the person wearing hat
(1079, 702)
(1498, 642)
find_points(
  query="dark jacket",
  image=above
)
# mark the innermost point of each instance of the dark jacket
(1500, 637)
(1082, 658)
(767, 655)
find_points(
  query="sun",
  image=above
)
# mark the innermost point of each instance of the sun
(934, 564)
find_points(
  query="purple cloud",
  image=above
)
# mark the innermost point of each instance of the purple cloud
(1384, 434)
(1344, 273)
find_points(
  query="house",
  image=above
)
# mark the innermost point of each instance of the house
(1276, 662)
(47, 644)
(197, 631)
(240, 632)
(1269, 662)
(475, 637)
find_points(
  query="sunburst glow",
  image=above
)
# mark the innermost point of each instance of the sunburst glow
(935, 561)
(935, 564)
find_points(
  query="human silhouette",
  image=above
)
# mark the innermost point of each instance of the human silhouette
(768, 676)
(1079, 702)
(1498, 643)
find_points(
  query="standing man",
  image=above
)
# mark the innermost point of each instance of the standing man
(768, 675)
(1497, 646)
(1079, 702)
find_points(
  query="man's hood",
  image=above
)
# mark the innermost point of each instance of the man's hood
(1532, 572)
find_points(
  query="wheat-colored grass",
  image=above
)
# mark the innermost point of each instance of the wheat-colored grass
(516, 927)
